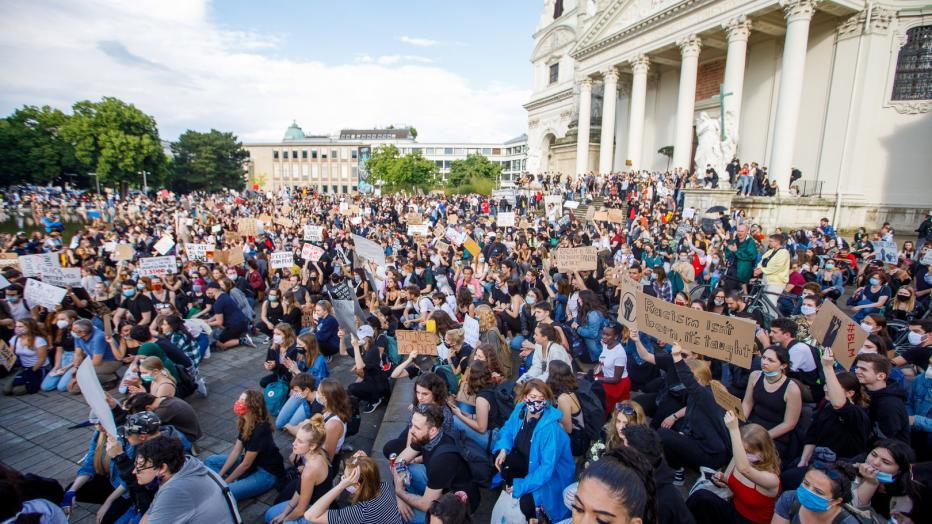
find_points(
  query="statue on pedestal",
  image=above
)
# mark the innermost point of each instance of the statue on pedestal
(716, 148)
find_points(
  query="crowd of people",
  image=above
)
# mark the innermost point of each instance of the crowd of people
(537, 397)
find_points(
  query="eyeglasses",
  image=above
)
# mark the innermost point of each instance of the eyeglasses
(624, 409)
(140, 469)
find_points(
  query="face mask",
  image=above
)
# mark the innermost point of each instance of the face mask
(867, 327)
(829, 267)
(198, 289)
(277, 339)
(530, 301)
(140, 286)
(232, 276)
(351, 489)
(771, 374)
(239, 407)
(12, 300)
(146, 378)
(753, 458)
(273, 298)
(719, 301)
(884, 477)
(20, 331)
(807, 310)
(811, 501)
(481, 259)
(875, 281)
(129, 292)
(914, 338)
(62, 324)
(535, 406)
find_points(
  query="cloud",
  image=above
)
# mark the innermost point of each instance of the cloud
(171, 61)
(420, 42)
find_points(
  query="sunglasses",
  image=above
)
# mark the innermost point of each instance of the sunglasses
(624, 409)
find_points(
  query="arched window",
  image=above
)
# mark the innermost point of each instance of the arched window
(913, 80)
(557, 9)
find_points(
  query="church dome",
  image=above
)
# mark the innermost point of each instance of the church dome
(294, 132)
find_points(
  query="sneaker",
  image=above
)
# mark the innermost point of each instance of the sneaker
(201, 387)
(329, 359)
(679, 477)
(206, 354)
(247, 341)
(373, 406)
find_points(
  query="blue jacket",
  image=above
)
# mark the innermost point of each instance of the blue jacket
(920, 403)
(318, 369)
(326, 333)
(551, 467)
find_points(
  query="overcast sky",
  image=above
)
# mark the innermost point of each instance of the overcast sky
(454, 70)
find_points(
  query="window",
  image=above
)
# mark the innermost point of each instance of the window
(313, 153)
(344, 171)
(333, 189)
(496, 151)
(460, 151)
(346, 189)
(314, 171)
(294, 154)
(486, 151)
(275, 154)
(333, 154)
(557, 9)
(913, 80)
(554, 73)
(448, 151)
(325, 172)
(446, 164)
(304, 171)
(325, 188)
(304, 154)
(323, 154)
(472, 151)
(354, 154)
(276, 170)
(354, 173)
(439, 164)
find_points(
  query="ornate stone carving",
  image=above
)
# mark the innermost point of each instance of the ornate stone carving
(610, 75)
(738, 28)
(912, 107)
(880, 22)
(533, 123)
(690, 46)
(640, 64)
(585, 85)
(799, 9)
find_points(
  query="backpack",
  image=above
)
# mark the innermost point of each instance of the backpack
(592, 407)
(479, 460)
(577, 347)
(352, 425)
(275, 395)
(446, 371)
(504, 399)
(392, 346)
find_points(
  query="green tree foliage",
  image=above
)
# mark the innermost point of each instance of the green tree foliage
(413, 132)
(210, 161)
(32, 149)
(115, 140)
(474, 167)
(396, 172)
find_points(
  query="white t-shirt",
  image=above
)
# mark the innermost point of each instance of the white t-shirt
(801, 358)
(28, 356)
(612, 357)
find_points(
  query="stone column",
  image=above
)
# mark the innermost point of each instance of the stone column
(738, 31)
(607, 142)
(582, 139)
(686, 101)
(798, 15)
(639, 67)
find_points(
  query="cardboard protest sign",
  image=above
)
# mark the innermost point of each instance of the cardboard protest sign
(730, 339)
(164, 245)
(42, 294)
(313, 233)
(230, 257)
(200, 252)
(727, 401)
(158, 266)
(600, 216)
(369, 250)
(421, 341)
(453, 220)
(421, 230)
(7, 356)
(885, 251)
(247, 227)
(9, 260)
(123, 252)
(471, 331)
(590, 213)
(281, 259)
(571, 204)
(94, 395)
(32, 265)
(414, 219)
(627, 304)
(616, 215)
(570, 259)
(311, 252)
(472, 247)
(284, 221)
(835, 330)
(506, 220)
(63, 277)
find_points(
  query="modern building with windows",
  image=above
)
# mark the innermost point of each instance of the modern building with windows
(333, 164)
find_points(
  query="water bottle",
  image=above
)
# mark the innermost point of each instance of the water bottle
(402, 468)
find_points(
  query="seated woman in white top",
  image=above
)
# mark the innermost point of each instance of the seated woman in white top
(546, 349)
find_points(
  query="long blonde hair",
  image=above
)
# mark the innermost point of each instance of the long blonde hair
(155, 364)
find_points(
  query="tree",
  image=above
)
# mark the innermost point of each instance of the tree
(210, 161)
(475, 166)
(117, 141)
(32, 149)
(413, 132)
(394, 172)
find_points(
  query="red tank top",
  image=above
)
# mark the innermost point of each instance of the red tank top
(750, 503)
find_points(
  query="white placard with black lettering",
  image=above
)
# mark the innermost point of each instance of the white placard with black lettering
(63, 277)
(32, 265)
(157, 266)
(281, 259)
(41, 294)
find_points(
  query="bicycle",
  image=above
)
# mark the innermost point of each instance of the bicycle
(758, 301)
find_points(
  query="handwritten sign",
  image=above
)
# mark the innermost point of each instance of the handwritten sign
(284, 221)
(123, 252)
(281, 259)
(63, 277)
(311, 252)
(506, 220)
(414, 219)
(421, 341)
(471, 331)
(164, 245)
(885, 251)
(726, 400)
(369, 250)
(571, 204)
(730, 339)
(835, 330)
(158, 266)
(42, 294)
(627, 304)
(472, 247)
(7, 356)
(590, 213)
(600, 216)
(200, 252)
(9, 260)
(616, 215)
(570, 259)
(33, 265)
(247, 227)
(313, 233)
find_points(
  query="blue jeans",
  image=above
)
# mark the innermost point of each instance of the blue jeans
(60, 382)
(277, 509)
(859, 316)
(479, 438)
(252, 485)
(418, 484)
(292, 413)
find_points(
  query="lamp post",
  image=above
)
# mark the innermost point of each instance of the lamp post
(96, 179)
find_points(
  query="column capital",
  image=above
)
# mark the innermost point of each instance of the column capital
(585, 84)
(640, 64)
(795, 10)
(738, 29)
(610, 75)
(690, 46)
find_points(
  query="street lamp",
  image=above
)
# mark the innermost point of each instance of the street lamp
(97, 179)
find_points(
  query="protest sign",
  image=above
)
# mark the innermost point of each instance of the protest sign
(885, 251)
(422, 230)
(507, 194)
(472, 247)
(216, 228)
(164, 245)
(158, 266)
(42, 294)
(281, 259)
(284, 221)
(627, 304)
(726, 400)
(471, 331)
(506, 220)
(835, 330)
(311, 252)
(313, 233)
(94, 395)
(63, 277)
(32, 265)
(369, 250)
(453, 220)
(421, 341)
(343, 311)
(200, 252)
(689, 212)
(247, 227)
(616, 215)
(7, 356)
(455, 237)
(730, 339)
(590, 213)
(229, 257)
(570, 259)
(571, 204)
(123, 252)
(600, 215)
(9, 260)
(108, 325)
(414, 219)
(4, 283)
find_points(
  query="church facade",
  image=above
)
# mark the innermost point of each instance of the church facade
(840, 89)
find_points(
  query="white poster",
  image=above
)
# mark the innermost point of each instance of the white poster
(94, 395)
(311, 252)
(418, 230)
(63, 277)
(571, 204)
(689, 212)
(344, 312)
(314, 233)
(281, 259)
(199, 252)
(32, 265)
(884, 251)
(505, 220)
(157, 266)
(369, 250)
(42, 294)
(471, 331)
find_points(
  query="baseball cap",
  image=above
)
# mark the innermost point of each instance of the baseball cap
(142, 423)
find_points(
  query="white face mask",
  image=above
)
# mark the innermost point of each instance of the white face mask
(62, 324)
(914, 338)
(277, 339)
(867, 327)
(807, 310)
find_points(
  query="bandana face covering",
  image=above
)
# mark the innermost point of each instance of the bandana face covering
(535, 406)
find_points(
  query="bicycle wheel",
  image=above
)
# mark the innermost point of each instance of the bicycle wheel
(700, 292)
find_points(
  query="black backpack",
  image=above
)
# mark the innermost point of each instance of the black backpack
(352, 425)
(577, 347)
(479, 460)
(504, 403)
(592, 407)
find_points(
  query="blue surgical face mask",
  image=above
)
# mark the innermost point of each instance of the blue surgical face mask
(884, 477)
(875, 281)
(807, 310)
(809, 500)
(771, 374)
(129, 292)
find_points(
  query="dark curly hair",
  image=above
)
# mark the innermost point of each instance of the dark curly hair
(435, 384)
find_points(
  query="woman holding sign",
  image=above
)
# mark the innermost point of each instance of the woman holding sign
(774, 401)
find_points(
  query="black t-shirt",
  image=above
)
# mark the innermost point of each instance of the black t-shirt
(448, 471)
(138, 305)
(917, 355)
(268, 457)
(174, 353)
(845, 431)
(176, 412)
(522, 443)
(496, 419)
